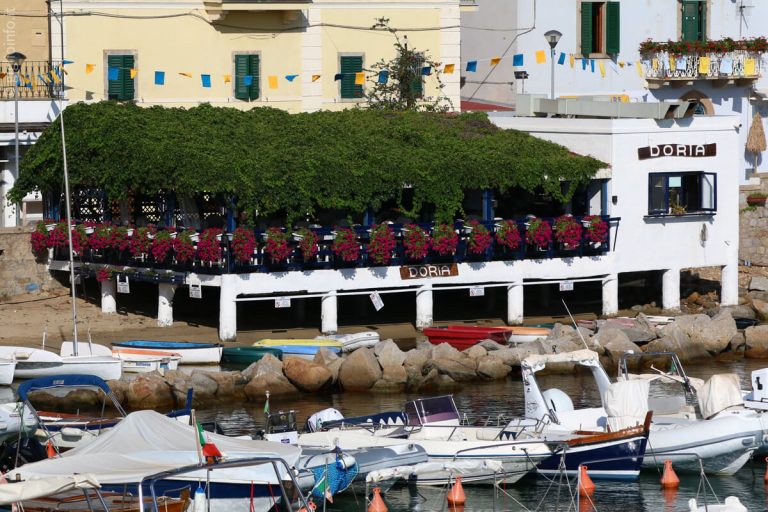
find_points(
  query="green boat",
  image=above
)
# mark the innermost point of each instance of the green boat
(243, 356)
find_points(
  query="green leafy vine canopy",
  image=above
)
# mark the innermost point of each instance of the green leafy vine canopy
(273, 161)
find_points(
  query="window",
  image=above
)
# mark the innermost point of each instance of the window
(350, 64)
(694, 18)
(600, 28)
(681, 193)
(417, 87)
(247, 65)
(122, 86)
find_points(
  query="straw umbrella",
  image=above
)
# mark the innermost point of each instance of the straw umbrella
(756, 138)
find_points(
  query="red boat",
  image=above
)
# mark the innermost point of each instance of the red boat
(462, 337)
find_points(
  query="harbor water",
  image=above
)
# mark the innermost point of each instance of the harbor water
(504, 399)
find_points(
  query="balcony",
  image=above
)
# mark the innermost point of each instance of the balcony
(39, 84)
(218, 9)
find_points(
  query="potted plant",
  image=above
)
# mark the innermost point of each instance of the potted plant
(119, 239)
(381, 244)
(345, 245)
(416, 242)
(209, 246)
(480, 239)
(508, 235)
(677, 209)
(162, 245)
(104, 273)
(101, 238)
(595, 229)
(183, 247)
(444, 239)
(58, 236)
(39, 239)
(79, 239)
(757, 199)
(243, 245)
(140, 242)
(277, 245)
(307, 240)
(568, 232)
(538, 234)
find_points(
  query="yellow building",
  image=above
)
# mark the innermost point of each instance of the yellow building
(246, 53)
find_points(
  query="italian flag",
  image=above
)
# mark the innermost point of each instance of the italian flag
(209, 449)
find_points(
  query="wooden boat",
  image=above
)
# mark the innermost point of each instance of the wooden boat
(33, 363)
(525, 334)
(462, 337)
(355, 340)
(244, 356)
(190, 352)
(145, 361)
(304, 348)
(74, 501)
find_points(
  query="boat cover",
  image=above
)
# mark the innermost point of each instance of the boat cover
(62, 381)
(718, 393)
(626, 403)
(19, 491)
(577, 356)
(457, 467)
(145, 443)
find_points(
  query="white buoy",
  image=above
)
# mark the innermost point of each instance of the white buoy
(200, 505)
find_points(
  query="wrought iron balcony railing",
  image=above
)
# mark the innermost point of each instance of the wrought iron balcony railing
(709, 66)
(35, 79)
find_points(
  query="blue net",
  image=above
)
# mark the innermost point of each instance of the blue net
(333, 478)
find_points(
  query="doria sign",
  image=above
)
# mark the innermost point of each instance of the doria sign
(425, 271)
(677, 150)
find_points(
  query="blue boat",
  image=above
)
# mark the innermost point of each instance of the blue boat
(190, 352)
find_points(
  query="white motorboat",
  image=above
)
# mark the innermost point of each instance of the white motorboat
(355, 340)
(33, 363)
(133, 360)
(190, 352)
(7, 369)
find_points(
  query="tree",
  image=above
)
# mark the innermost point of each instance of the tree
(756, 138)
(398, 84)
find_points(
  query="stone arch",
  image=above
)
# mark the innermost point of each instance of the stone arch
(702, 100)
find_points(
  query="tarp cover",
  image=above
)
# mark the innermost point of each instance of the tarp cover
(20, 491)
(457, 467)
(565, 357)
(718, 393)
(145, 443)
(626, 403)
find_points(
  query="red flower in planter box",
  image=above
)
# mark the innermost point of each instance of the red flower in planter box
(381, 244)
(416, 242)
(119, 239)
(162, 244)
(307, 243)
(209, 246)
(444, 239)
(243, 244)
(508, 234)
(568, 231)
(345, 245)
(79, 239)
(277, 245)
(140, 242)
(101, 237)
(479, 238)
(596, 229)
(104, 274)
(538, 234)
(183, 247)
(58, 236)
(39, 239)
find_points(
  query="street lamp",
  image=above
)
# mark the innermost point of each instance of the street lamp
(552, 37)
(16, 59)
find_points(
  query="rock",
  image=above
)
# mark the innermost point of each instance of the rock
(230, 384)
(740, 311)
(306, 375)
(391, 359)
(205, 387)
(389, 354)
(180, 383)
(761, 309)
(616, 343)
(149, 391)
(266, 363)
(694, 297)
(490, 345)
(414, 363)
(491, 367)
(511, 356)
(763, 296)
(675, 340)
(757, 341)
(558, 346)
(561, 331)
(446, 351)
(711, 334)
(475, 352)
(463, 370)
(759, 283)
(386, 386)
(119, 388)
(266, 375)
(435, 381)
(395, 375)
(330, 360)
(360, 370)
(738, 342)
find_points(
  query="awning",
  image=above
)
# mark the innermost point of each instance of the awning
(32, 489)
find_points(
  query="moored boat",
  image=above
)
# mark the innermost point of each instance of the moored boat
(190, 352)
(462, 337)
(525, 334)
(7, 369)
(304, 348)
(243, 356)
(353, 341)
(32, 363)
(144, 361)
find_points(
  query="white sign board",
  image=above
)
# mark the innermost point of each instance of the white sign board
(282, 302)
(195, 291)
(123, 286)
(477, 291)
(376, 300)
(566, 286)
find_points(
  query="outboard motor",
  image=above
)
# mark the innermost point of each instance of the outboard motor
(315, 422)
(281, 427)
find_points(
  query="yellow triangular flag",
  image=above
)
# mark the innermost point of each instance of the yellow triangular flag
(188, 75)
(272, 79)
(541, 57)
(3, 75)
(703, 65)
(672, 63)
(639, 69)
(602, 68)
(360, 78)
(749, 67)
(227, 79)
(315, 78)
(55, 77)
(133, 73)
(572, 60)
(495, 61)
(89, 68)
(621, 63)
(449, 68)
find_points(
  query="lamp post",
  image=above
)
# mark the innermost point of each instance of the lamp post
(552, 37)
(16, 59)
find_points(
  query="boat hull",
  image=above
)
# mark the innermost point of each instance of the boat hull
(303, 348)
(243, 356)
(34, 363)
(191, 353)
(463, 337)
(7, 369)
(628, 451)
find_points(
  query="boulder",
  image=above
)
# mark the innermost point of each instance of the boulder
(395, 375)
(491, 367)
(712, 334)
(266, 375)
(757, 341)
(179, 382)
(560, 331)
(741, 311)
(205, 387)
(560, 345)
(330, 360)
(463, 370)
(230, 384)
(446, 351)
(306, 375)
(414, 362)
(490, 345)
(761, 309)
(389, 354)
(119, 388)
(511, 356)
(268, 363)
(475, 352)
(674, 340)
(436, 381)
(615, 342)
(149, 391)
(386, 386)
(360, 370)
(759, 283)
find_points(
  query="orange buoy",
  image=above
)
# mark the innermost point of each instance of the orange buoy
(312, 506)
(377, 503)
(669, 478)
(50, 451)
(586, 485)
(456, 495)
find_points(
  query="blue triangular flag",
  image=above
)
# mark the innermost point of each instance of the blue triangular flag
(113, 74)
(518, 59)
(248, 80)
(584, 64)
(383, 76)
(426, 71)
(42, 79)
(561, 59)
(206, 80)
(159, 77)
(291, 78)
(592, 63)
(472, 66)
(65, 62)
(338, 76)
(28, 82)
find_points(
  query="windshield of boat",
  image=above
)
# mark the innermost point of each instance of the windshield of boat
(437, 409)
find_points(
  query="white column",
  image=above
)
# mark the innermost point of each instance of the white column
(424, 306)
(165, 293)
(515, 304)
(670, 289)
(329, 323)
(729, 285)
(108, 301)
(228, 307)
(611, 294)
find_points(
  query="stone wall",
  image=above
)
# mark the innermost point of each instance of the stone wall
(753, 225)
(20, 272)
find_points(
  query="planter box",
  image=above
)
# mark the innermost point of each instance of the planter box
(756, 201)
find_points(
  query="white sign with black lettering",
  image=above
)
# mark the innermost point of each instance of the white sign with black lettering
(123, 286)
(195, 291)
(477, 291)
(376, 300)
(282, 302)
(566, 286)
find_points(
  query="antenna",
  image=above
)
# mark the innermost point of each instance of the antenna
(575, 326)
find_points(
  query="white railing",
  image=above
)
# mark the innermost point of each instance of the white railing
(738, 64)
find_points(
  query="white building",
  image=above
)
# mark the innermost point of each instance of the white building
(609, 34)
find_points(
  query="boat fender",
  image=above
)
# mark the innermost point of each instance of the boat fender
(344, 462)
(199, 500)
(71, 434)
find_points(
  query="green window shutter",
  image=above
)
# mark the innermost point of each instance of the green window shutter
(587, 39)
(246, 65)
(349, 66)
(129, 89)
(691, 23)
(255, 71)
(613, 28)
(114, 87)
(417, 87)
(703, 21)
